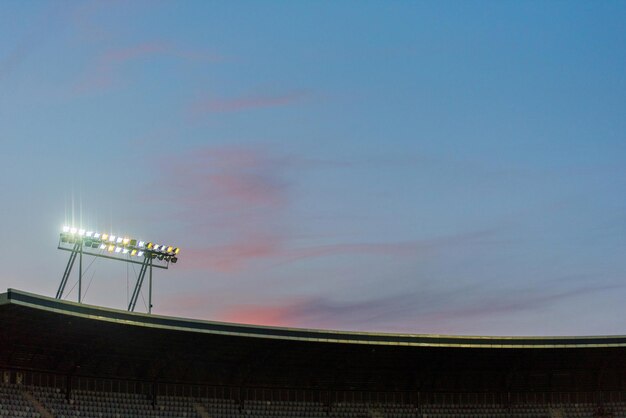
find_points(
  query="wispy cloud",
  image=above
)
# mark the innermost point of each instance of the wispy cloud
(412, 312)
(238, 104)
(237, 196)
(510, 302)
(241, 200)
(277, 250)
(106, 69)
(403, 248)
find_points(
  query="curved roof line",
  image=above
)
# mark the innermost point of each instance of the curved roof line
(38, 302)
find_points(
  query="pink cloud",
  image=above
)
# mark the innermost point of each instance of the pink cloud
(136, 51)
(239, 198)
(277, 250)
(280, 316)
(105, 70)
(234, 256)
(239, 104)
(243, 178)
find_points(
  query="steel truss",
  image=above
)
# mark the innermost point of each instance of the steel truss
(76, 251)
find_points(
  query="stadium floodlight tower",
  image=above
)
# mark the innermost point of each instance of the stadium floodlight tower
(81, 242)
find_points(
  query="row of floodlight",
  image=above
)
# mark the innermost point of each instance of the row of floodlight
(119, 245)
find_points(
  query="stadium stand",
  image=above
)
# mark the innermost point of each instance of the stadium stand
(98, 404)
(62, 359)
(260, 409)
(109, 405)
(220, 408)
(14, 404)
(470, 411)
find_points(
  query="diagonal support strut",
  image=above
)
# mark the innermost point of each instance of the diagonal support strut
(68, 270)
(145, 266)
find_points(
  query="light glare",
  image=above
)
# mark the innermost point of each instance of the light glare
(118, 244)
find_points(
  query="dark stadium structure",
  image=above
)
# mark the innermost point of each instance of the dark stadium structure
(74, 347)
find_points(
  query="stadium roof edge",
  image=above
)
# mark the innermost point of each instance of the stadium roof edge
(97, 313)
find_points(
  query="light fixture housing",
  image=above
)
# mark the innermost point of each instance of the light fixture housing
(117, 245)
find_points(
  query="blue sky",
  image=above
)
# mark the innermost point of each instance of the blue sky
(424, 167)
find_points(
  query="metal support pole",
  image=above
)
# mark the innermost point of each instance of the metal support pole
(137, 291)
(150, 295)
(68, 270)
(80, 273)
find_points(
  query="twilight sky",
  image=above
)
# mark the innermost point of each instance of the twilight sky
(423, 167)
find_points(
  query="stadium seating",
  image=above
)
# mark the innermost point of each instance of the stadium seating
(465, 411)
(15, 403)
(260, 409)
(391, 410)
(110, 405)
(220, 408)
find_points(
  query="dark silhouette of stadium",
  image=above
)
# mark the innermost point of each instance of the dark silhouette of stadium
(71, 359)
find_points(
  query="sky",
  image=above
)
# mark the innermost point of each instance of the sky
(453, 167)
